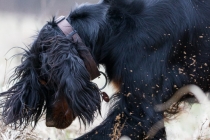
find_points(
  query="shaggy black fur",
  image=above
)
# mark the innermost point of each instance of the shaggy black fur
(150, 48)
(51, 69)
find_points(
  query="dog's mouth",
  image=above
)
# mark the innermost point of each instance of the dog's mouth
(59, 115)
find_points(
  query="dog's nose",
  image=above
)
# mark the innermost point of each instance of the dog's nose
(50, 123)
(49, 118)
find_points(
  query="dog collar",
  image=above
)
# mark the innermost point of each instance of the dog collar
(70, 32)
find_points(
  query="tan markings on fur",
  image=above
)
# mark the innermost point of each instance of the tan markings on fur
(42, 82)
(62, 114)
(116, 84)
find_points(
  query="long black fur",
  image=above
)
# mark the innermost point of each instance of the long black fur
(150, 48)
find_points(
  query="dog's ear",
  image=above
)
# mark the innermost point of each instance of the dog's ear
(73, 80)
(88, 60)
(23, 103)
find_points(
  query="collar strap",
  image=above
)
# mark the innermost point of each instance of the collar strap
(70, 32)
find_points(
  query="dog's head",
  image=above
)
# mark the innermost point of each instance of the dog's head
(54, 76)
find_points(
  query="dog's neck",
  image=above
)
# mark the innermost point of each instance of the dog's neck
(88, 60)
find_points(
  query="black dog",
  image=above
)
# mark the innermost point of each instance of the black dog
(150, 48)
